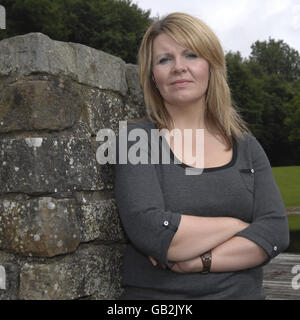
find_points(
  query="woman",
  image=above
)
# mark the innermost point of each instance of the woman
(203, 236)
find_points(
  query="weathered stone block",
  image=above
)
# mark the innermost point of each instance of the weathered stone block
(39, 102)
(98, 218)
(9, 281)
(92, 271)
(42, 227)
(36, 52)
(103, 109)
(135, 90)
(50, 164)
(134, 104)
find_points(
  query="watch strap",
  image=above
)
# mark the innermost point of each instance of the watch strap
(206, 261)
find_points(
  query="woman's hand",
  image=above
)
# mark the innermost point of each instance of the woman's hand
(192, 265)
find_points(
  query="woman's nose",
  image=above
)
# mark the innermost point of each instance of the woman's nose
(179, 65)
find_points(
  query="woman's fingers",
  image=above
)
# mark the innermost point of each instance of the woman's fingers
(154, 262)
(176, 268)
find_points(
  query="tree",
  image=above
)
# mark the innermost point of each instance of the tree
(269, 104)
(278, 58)
(292, 120)
(114, 26)
(276, 132)
(24, 16)
(246, 91)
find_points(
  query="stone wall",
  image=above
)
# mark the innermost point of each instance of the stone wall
(60, 235)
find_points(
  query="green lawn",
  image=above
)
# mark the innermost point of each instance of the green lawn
(288, 180)
(294, 222)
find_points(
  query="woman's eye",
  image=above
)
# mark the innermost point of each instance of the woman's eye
(191, 55)
(163, 60)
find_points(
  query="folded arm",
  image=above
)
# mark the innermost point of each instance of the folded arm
(196, 235)
(235, 254)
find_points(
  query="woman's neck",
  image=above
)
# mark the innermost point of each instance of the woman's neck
(187, 117)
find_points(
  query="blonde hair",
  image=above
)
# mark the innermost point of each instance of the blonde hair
(193, 34)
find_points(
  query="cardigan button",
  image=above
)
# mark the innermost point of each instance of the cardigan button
(166, 223)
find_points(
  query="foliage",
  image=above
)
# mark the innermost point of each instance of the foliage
(292, 111)
(277, 58)
(266, 90)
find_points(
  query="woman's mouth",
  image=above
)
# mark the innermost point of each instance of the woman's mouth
(180, 83)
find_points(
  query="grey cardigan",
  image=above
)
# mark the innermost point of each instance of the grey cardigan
(152, 197)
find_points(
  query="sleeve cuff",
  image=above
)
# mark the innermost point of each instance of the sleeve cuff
(170, 223)
(271, 249)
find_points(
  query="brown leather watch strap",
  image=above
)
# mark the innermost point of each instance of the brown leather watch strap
(206, 261)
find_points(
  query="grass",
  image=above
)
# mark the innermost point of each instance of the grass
(294, 222)
(288, 181)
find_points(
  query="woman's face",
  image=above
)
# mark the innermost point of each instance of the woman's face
(180, 75)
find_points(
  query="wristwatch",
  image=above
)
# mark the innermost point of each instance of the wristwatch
(206, 261)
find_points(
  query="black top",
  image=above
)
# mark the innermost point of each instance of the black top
(152, 197)
(228, 165)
